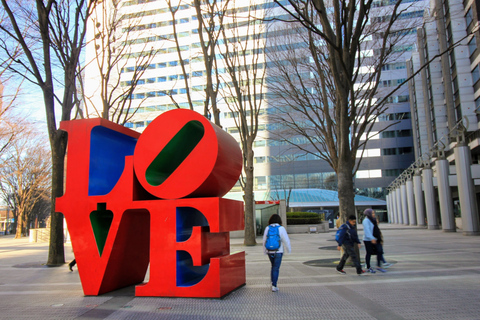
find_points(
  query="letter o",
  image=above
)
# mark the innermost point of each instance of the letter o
(181, 154)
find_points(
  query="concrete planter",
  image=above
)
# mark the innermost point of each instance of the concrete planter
(308, 228)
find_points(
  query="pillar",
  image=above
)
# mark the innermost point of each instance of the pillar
(419, 199)
(466, 191)
(412, 218)
(399, 205)
(429, 193)
(389, 208)
(403, 190)
(445, 195)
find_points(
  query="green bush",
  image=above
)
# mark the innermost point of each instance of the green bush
(303, 218)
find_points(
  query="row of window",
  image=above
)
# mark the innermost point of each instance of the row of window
(286, 158)
(172, 77)
(134, 2)
(405, 15)
(397, 151)
(396, 134)
(382, 3)
(153, 25)
(367, 153)
(394, 116)
(391, 83)
(399, 49)
(165, 107)
(398, 99)
(320, 180)
(256, 7)
(140, 14)
(394, 66)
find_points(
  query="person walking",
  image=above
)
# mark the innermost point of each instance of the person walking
(275, 256)
(347, 237)
(371, 238)
(72, 264)
(378, 234)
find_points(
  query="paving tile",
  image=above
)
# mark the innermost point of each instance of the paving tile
(436, 275)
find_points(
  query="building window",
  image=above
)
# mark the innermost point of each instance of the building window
(472, 45)
(259, 160)
(475, 74)
(365, 174)
(261, 182)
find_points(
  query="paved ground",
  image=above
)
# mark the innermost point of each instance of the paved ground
(436, 276)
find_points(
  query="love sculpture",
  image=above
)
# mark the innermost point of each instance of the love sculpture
(132, 200)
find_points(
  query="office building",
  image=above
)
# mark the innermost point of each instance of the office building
(442, 187)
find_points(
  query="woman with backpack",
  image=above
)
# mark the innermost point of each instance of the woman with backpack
(275, 239)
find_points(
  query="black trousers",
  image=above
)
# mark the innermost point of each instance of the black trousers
(349, 251)
(371, 249)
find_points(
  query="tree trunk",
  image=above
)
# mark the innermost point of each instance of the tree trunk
(56, 252)
(249, 202)
(345, 191)
(18, 229)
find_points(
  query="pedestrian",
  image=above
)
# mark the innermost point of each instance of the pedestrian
(385, 264)
(371, 237)
(275, 256)
(72, 264)
(337, 222)
(346, 239)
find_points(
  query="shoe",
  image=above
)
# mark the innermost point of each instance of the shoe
(274, 289)
(341, 271)
(386, 265)
(371, 270)
(70, 267)
(361, 273)
(381, 270)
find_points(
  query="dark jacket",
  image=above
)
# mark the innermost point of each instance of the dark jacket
(348, 235)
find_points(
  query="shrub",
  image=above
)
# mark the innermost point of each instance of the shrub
(303, 218)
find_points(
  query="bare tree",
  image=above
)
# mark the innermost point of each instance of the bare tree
(50, 36)
(40, 212)
(232, 74)
(116, 42)
(210, 16)
(8, 121)
(329, 84)
(25, 175)
(243, 93)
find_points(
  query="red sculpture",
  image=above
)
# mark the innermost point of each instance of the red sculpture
(133, 199)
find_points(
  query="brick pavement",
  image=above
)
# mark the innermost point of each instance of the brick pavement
(436, 276)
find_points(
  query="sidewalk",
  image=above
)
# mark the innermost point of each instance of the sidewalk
(436, 275)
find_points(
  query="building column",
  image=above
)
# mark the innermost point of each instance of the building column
(445, 195)
(412, 219)
(393, 202)
(403, 190)
(394, 206)
(399, 205)
(466, 190)
(427, 174)
(389, 208)
(419, 201)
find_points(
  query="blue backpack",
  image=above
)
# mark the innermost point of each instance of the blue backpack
(343, 228)
(273, 238)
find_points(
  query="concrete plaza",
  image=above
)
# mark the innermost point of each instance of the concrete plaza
(436, 275)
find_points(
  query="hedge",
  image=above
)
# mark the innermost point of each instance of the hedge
(303, 218)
